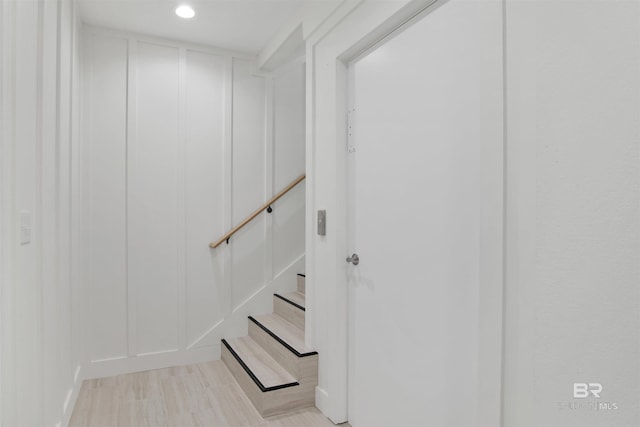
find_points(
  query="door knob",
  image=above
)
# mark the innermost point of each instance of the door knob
(354, 259)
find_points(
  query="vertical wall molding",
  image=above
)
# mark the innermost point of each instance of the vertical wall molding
(269, 175)
(310, 207)
(132, 50)
(77, 184)
(85, 166)
(51, 248)
(182, 141)
(7, 209)
(75, 220)
(2, 202)
(38, 231)
(228, 182)
(35, 298)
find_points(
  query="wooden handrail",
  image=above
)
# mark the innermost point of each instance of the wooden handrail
(255, 214)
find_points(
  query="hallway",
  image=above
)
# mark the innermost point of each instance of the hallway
(386, 213)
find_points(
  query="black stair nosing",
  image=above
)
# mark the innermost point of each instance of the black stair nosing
(290, 302)
(252, 375)
(302, 275)
(281, 341)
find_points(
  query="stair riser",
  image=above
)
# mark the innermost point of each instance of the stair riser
(271, 402)
(276, 350)
(302, 368)
(301, 284)
(289, 312)
(246, 383)
(289, 399)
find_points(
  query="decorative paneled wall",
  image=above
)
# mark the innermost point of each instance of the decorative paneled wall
(183, 142)
(40, 247)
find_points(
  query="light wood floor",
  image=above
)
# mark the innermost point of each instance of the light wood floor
(198, 395)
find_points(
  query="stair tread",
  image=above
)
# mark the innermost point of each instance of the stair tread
(266, 369)
(295, 297)
(286, 331)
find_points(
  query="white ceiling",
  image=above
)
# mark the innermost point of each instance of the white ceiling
(240, 25)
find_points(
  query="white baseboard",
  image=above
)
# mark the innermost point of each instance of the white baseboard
(149, 362)
(72, 397)
(322, 403)
(321, 400)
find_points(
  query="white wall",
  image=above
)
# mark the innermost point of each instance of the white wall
(573, 209)
(40, 147)
(288, 161)
(183, 142)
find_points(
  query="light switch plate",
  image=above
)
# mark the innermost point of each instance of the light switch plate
(322, 223)
(25, 227)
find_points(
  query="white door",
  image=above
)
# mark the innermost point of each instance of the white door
(419, 104)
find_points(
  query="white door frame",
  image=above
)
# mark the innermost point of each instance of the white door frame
(356, 27)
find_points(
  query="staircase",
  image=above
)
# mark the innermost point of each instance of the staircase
(274, 367)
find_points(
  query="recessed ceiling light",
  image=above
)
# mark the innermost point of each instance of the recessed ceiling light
(184, 11)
